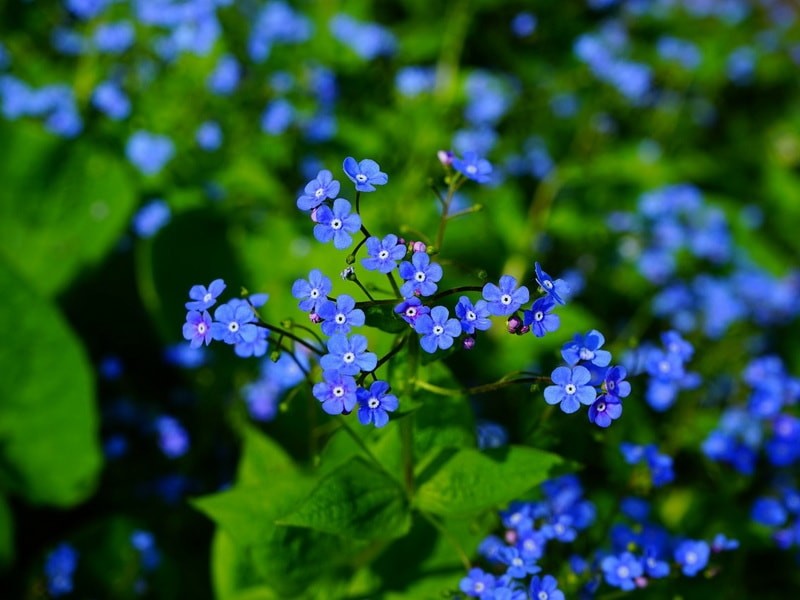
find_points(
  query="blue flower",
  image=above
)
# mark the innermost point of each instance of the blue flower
(365, 174)
(411, 309)
(615, 384)
(149, 152)
(224, 79)
(604, 410)
(477, 583)
(620, 571)
(721, 543)
(337, 392)
(545, 588)
(109, 98)
(340, 316)
(557, 289)
(312, 293)
(437, 330)
(209, 135)
(383, 254)
(769, 511)
(519, 566)
(197, 328)
(278, 115)
(317, 190)
(420, 275)
(540, 317)
(473, 167)
(586, 348)
(59, 566)
(473, 317)
(506, 299)
(258, 347)
(570, 389)
(233, 323)
(204, 298)
(172, 437)
(652, 565)
(114, 38)
(692, 555)
(149, 219)
(336, 224)
(375, 403)
(348, 356)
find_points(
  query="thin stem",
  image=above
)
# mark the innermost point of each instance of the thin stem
(457, 290)
(358, 202)
(291, 355)
(480, 389)
(466, 211)
(355, 280)
(438, 195)
(393, 283)
(352, 258)
(386, 357)
(292, 336)
(359, 442)
(311, 331)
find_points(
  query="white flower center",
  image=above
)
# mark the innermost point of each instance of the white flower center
(471, 316)
(411, 311)
(586, 354)
(319, 192)
(505, 299)
(201, 328)
(314, 293)
(338, 391)
(233, 327)
(340, 318)
(623, 572)
(570, 388)
(517, 562)
(383, 254)
(208, 297)
(691, 558)
(548, 285)
(479, 587)
(471, 169)
(361, 178)
(611, 385)
(601, 407)
(348, 357)
(373, 402)
(663, 366)
(419, 276)
(336, 224)
(542, 595)
(538, 316)
(438, 330)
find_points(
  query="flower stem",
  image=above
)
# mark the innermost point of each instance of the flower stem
(292, 336)
(393, 283)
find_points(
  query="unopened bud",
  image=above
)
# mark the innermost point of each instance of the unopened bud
(348, 274)
(524, 329)
(418, 247)
(351, 258)
(445, 157)
(313, 215)
(314, 317)
(510, 537)
(469, 343)
(513, 324)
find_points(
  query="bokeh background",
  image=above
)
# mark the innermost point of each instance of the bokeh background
(150, 145)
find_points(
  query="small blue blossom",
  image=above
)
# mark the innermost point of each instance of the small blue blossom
(59, 567)
(150, 218)
(204, 298)
(337, 392)
(473, 317)
(545, 588)
(620, 571)
(197, 328)
(375, 403)
(114, 38)
(692, 555)
(473, 167)
(615, 384)
(172, 437)
(769, 511)
(523, 24)
(411, 309)
(490, 435)
(477, 583)
(233, 323)
(209, 136)
(366, 174)
(145, 544)
(557, 289)
(654, 567)
(505, 299)
(540, 317)
(340, 316)
(336, 224)
(420, 275)
(317, 190)
(224, 79)
(721, 543)
(604, 410)
(278, 115)
(368, 40)
(586, 348)
(437, 329)
(149, 152)
(570, 389)
(348, 356)
(383, 254)
(312, 293)
(109, 98)
(518, 566)
(257, 347)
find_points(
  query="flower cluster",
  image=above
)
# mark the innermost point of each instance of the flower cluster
(59, 568)
(588, 371)
(659, 465)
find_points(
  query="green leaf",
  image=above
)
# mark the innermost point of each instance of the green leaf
(359, 501)
(383, 317)
(262, 459)
(6, 533)
(49, 450)
(467, 481)
(232, 571)
(65, 202)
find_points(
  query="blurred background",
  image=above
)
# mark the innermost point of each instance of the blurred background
(150, 145)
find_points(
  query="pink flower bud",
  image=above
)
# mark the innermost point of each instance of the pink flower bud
(513, 324)
(445, 157)
(418, 246)
(313, 215)
(314, 317)
(469, 343)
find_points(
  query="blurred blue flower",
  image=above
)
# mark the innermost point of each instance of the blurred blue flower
(150, 218)
(149, 152)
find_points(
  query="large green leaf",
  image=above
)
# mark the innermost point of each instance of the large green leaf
(359, 501)
(49, 449)
(65, 207)
(467, 481)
